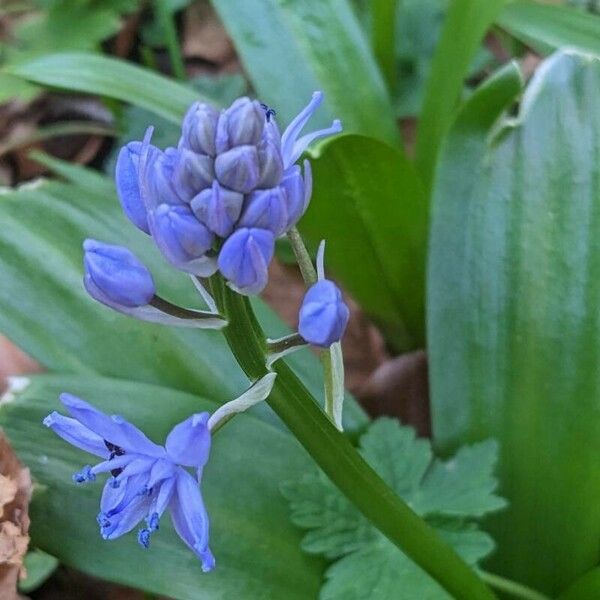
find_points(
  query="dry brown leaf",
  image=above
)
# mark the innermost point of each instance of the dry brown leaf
(204, 37)
(15, 493)
(8, 491)
(399, 387)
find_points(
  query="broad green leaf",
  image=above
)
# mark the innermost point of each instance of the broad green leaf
(290, 49)
(466, 23)
(370, 207)
(256, 548)
(512, 310)
(383, 37)
(548, 28)
(39, 566)
(370, 566)
(44, 309)
(586, 587)
(109, 77)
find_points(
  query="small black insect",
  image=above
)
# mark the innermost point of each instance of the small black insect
(269, 112)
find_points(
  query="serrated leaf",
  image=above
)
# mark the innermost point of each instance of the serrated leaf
(462, 486)
(337, 527)
(369, 566)
(379, 572)
(386, 438)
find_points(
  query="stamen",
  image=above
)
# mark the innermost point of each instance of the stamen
(144, 491)
(102, 520)
(153, 522)
(84, 475)
(143, 537)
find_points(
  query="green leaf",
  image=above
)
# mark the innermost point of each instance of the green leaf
(39, 566)
(110, 77)
(45, 311)
(379, 572)
(249, 524)
(466, 23)
(66, 25)
(463, 486)
(290, 49)
(512, 310)
(548, 28)
(368, 561)
(383, 37)
(370, 207)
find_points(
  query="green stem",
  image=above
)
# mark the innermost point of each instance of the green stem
(309, 273)
(383, 37)
(332, 451)
(511, 587)
(167, 22)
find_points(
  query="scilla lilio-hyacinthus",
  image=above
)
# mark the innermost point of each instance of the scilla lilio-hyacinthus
(214, 206)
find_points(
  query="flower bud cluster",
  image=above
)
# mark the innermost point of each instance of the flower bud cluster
(221, 198)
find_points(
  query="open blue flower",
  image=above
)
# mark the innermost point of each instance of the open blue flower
(146, 479)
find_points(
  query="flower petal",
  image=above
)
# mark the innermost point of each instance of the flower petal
(290, 135)
(114, 429)
(76, 434)
(190, 518)
(188, 443)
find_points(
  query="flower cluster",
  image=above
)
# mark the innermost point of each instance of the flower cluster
(231, 187)
(217, 202)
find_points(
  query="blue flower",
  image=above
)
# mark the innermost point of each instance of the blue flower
(244, 259)
(128, 187)
(218, 208)
(146, 479)
(114, 275)
(182, 239)
(324, 314)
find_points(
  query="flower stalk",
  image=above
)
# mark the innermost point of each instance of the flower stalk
(335, 455)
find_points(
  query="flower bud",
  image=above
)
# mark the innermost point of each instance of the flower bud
(218, 208)
(297, 192)
(192, 173)
(266, 209)
(245, 257)
(199, 128)
(270, 164)
(182, 239)
(159, 177)
(128, 187)
(238, 169)
(114, 275)
(323, 314)
(241, 124)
